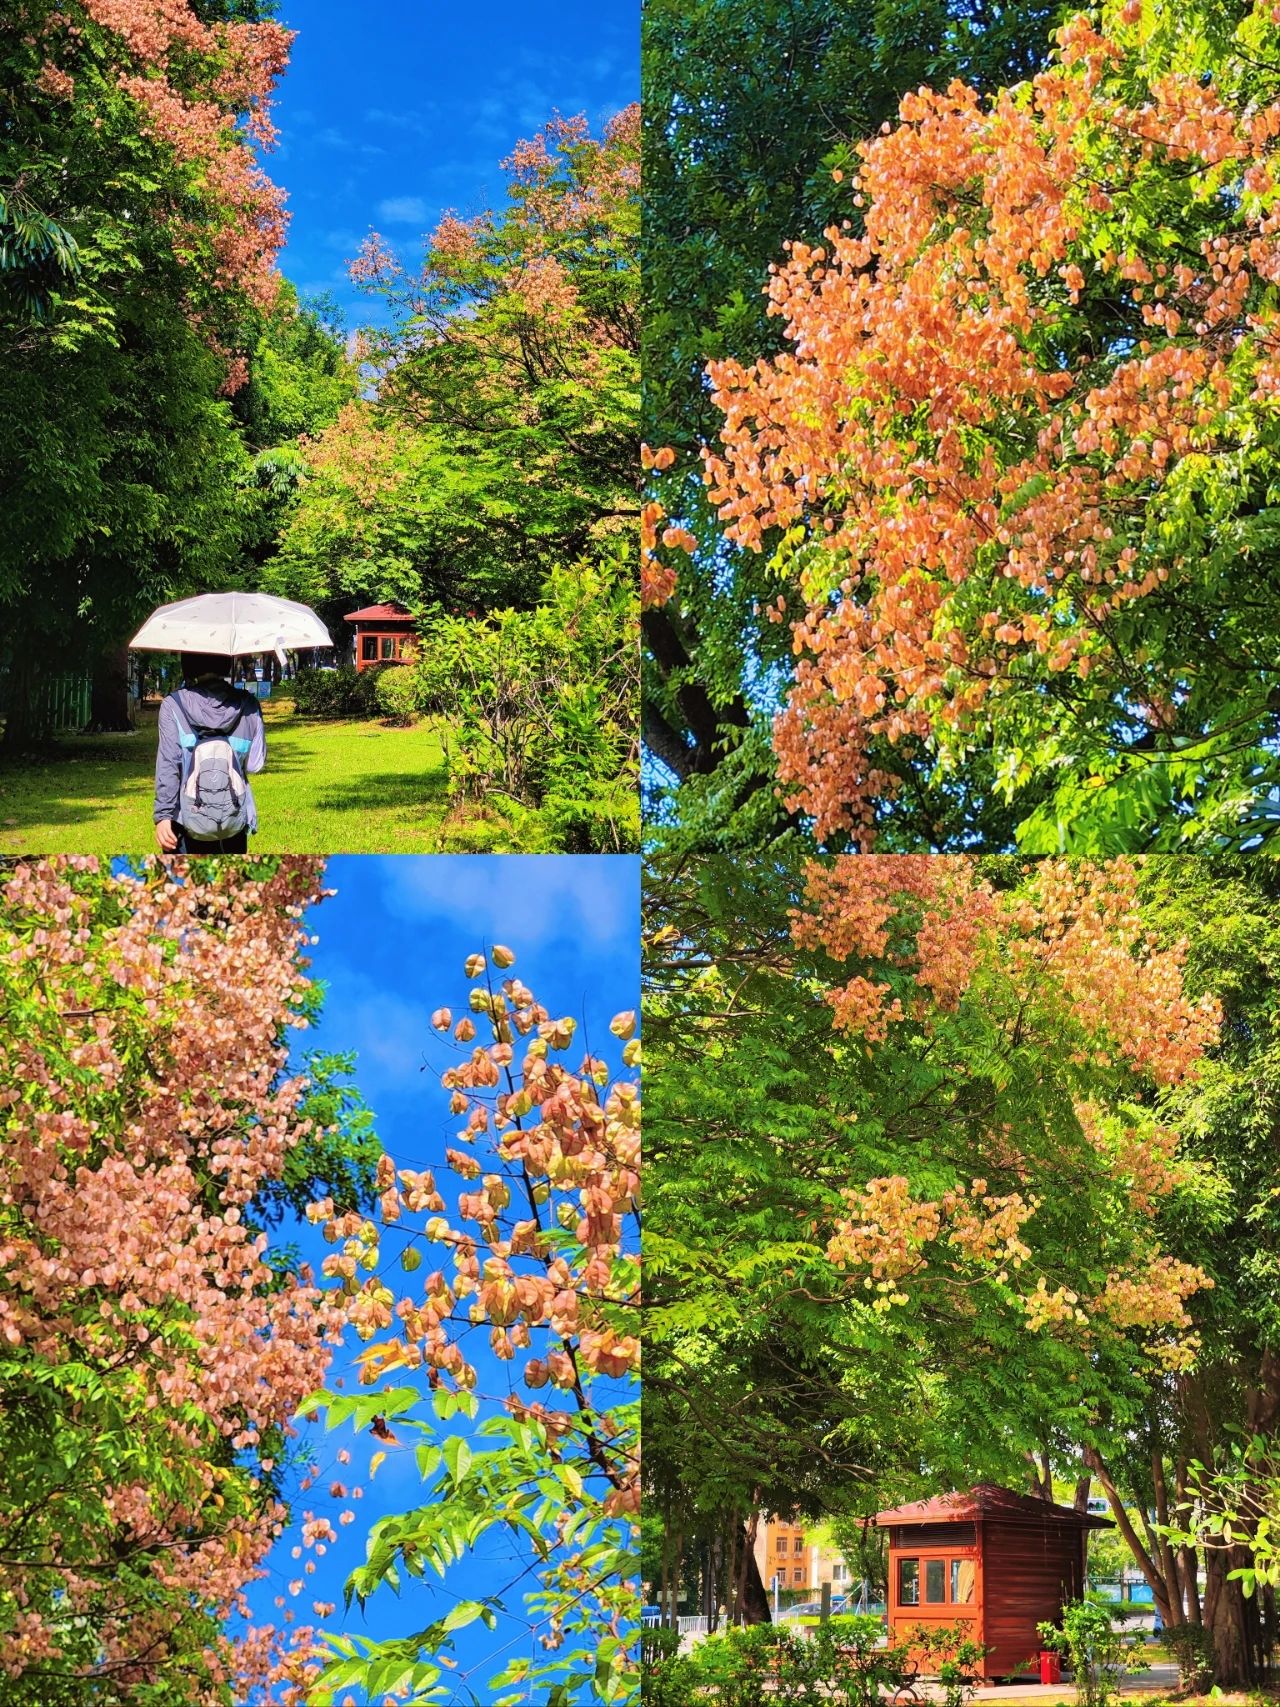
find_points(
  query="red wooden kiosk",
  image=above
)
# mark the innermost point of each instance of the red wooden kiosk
(996, 1561)
(384, 635)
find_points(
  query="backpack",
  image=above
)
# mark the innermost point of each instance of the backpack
(213, 803)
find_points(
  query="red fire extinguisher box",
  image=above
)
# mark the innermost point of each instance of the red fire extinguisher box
(1050, 1666)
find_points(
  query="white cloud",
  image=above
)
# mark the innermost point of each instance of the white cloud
(388, 1034)
(403, 210)
(519, 898)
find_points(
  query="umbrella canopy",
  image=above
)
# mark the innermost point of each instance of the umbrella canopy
(231, 624)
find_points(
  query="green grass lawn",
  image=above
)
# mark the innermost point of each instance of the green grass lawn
(329, 787)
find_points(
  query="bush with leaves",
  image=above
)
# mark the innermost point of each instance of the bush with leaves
(1099, 1655)
(1192, 1646)
(539, 707)
(399, 696)
(949, 1652)
(336, 693)
(839, 1664)
(669, 1680)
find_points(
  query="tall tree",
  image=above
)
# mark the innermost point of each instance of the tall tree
(912, 1210)
(139, 244)
(152, 1349)
(1228, 913)
(1013, 474)
(501, 437)
(749, 110)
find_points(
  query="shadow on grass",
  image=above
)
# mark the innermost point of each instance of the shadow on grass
(39, 814)
(316, 768)
(427, 789)
(137, 750)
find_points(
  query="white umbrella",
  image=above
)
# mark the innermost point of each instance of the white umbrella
(231, 624)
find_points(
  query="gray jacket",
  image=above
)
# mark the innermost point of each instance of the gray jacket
(214, 705)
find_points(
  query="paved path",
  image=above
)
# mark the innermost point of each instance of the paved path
(1161, 1679)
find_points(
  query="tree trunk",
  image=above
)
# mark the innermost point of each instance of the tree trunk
(748, 1546)
(109, 693)
(1041, 1473)
(24, 724)
(1226, 1616)
(1163, 1593)
(1169, 1564)
(755, 1597)
(1188, 1560)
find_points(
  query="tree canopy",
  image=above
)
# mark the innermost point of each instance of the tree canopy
(749, 109)
(152, 1351)
(1005, 491)
(498, 438)
(945, 1185)
(138, 293)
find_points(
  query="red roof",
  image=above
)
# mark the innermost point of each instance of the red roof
(380, 613)
(987, 1500)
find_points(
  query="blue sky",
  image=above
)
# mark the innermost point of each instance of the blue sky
(393, 110)
(392, 945)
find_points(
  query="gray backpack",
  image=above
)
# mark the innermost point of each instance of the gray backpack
(214, 804)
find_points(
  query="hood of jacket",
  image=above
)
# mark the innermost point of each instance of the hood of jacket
(214, 705)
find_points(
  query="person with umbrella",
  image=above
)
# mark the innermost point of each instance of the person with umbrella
(211, 738)
(211, 734)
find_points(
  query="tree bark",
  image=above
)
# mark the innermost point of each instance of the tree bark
(109, 692)
(1144, 1560)
(747, 1544)
(707, 722)
(1041, 1472)
(1226, 1616)
(755, 1598)
(1169, 1564)
(22, 723)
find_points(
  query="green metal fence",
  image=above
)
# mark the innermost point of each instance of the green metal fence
(63, 700)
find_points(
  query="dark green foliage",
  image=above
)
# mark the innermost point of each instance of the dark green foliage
(129, 477)
(339, 1159)
(537, 707)
(345, 692)
(37, 255)
(398, 697)
(842, 1663)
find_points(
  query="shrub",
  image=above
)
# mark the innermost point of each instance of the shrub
(671, 1681)
(336, 693)
(949, 1651)
(837, 1665)
(398, 694)
(1098, 1654)
(1192, 1646)
(541, 705)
